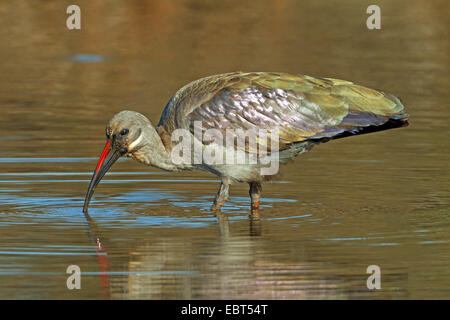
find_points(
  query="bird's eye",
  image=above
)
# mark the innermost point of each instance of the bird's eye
(107, 134)
(124, 132)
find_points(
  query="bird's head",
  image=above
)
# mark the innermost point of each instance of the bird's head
(124, 136)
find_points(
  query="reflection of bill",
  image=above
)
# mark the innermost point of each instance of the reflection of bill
(256, 148)
(101, 253)
(74, 280)
(103, 265)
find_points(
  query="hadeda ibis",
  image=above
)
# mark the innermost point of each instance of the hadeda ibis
(299, 110)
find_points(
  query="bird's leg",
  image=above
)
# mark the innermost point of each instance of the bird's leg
(221, 197)
(255, 195)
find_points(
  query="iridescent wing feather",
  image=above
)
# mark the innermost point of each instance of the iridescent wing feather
(298, 107)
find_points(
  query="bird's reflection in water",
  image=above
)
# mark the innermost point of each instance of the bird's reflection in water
(254, 223)
(253, 219)
(102, 255)
(104, 264)
(224, 225)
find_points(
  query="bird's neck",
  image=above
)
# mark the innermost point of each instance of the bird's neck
(154, 153)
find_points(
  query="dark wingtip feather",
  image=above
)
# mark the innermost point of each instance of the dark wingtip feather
(392, 123)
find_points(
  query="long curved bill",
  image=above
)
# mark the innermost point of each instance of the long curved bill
(107, 159)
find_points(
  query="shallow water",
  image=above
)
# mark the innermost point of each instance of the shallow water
(379, 199)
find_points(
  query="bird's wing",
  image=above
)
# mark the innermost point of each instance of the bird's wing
(298, 107)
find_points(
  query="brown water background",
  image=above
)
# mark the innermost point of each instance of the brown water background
(380, 199)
